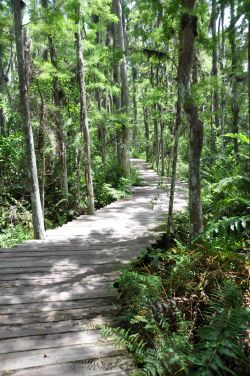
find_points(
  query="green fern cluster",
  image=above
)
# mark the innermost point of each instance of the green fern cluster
(221, 339)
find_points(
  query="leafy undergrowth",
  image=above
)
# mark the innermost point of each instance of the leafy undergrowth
(184, 310)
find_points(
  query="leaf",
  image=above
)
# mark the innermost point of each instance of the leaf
(240, 136)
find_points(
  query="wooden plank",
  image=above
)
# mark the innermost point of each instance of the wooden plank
(42, 328)
(47, 296)
(106, 366)
(55, 305)
(28, 274)
(83, 259)
(74, 287)
(35, 358)
(18, 320)
(79, 268)
(70, 253)
(58, 279)
(48, 341)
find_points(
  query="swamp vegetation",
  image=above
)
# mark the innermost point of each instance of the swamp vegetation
(84, 86)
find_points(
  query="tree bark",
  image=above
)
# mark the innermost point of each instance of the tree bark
(162, 145)
(234, 104)
(156, 139)
(185, 63)
(84, 126)
(195, 149)
(215, 94)
(41, 148)
(135, 113)
(2, 119)
(125, 163)
(222, 65)
(146, 127)
(37, 214)
(58, 97)
(248, 36)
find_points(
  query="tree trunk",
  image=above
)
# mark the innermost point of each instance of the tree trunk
(215, 94)
(41, 148)
(186, 52)
(135, 113)
(37, 214)
(248, 35)
(234, 105)
(58, 97)
(156, 139)
(195, 148)
(84, 118)
(2, 120)
(125, 164)
(162, 145)
(223, 100)
(146, 126)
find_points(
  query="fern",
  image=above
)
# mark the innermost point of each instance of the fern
(220, 340)
(240, 136)
(226, 183)
(233, 224)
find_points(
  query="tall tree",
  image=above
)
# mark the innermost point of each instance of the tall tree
(234, 102)
(215, 95)
(58, 95)
(37, 214)
(125, 165)
(84, 126)
(185, 100)
(2, 120)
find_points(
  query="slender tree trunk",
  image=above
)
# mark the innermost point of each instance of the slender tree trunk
(101, 129)
(84, 119)
(2, 120)
(156, 139)
(195, 148)
(135, 113)
(186, 52)
(223, 100)
(101, 126)
(37, 214)
(248, 35)
(41, 147)
(125, 164)
(146, 126)
(58, 97)
(235, 105)
(174, 166)
(215, 94)
(162, 149)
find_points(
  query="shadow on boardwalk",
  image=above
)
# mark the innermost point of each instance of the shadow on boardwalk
(55, 293)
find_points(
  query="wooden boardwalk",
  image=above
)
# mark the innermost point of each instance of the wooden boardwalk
(54, 293)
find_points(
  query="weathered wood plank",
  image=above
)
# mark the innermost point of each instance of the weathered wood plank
(50, 315)
(86, 305)
(106, 366)
(35, 358)
(48, 341)
(55, 327)
(47, 296)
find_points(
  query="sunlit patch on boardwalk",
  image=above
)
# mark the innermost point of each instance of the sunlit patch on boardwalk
(54, 294)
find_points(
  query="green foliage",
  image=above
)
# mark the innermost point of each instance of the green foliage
(182, 309)
(240, 136)
(220, 340)
(14, 235)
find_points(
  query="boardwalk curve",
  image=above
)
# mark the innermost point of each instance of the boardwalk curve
(54, 293)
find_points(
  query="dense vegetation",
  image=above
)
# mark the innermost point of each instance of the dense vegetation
(84, 85)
